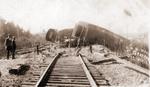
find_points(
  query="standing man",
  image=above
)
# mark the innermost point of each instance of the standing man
(90, 49)
(37, 49)
(13, 47)
(8, 45)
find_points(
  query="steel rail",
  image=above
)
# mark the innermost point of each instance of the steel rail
(48, 69)
(88, 74)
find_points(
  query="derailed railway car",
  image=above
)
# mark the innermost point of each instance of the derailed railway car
(92, 34)
(64, 37)
(64, 34)
(52, 35)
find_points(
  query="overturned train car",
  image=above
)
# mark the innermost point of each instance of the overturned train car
(85, 34)
(63, 37)
(51, 35)
(92, 34)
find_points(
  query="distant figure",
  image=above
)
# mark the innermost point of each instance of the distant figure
(37, 49)
(8, 45)
(13, 47)
(90, 49)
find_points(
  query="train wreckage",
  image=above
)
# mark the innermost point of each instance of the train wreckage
(84, 34)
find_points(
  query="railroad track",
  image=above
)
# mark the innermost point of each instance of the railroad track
(68, 71)
(33, 49)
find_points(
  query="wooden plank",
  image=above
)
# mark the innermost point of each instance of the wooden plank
(70, 79)
(76, 77)
(67, 66)
(66, 74)
(69, 75)
(63, 82)
(65, 85)
(69, 71)
(89, 76)
(53, 77)
(69, 82)
(64, 69)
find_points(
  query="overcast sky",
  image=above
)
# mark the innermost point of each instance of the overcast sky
(117, 15)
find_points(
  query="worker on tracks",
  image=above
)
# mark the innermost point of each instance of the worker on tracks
(8, 45)
(13, 47)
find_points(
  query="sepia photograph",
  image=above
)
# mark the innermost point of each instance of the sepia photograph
(74, 43)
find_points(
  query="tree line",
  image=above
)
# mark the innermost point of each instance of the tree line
(24, 38)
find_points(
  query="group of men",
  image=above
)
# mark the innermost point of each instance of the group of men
(10, 46)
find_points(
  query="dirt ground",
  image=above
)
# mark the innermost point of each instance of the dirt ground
(114, 72)
(7, 80)
(32, 59)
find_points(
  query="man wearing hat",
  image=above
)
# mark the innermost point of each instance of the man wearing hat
(8, 45)
(13, 47)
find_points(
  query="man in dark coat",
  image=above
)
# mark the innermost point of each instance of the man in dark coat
(13, 47)
(37, 49)
(90, 49)
(8, 46)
